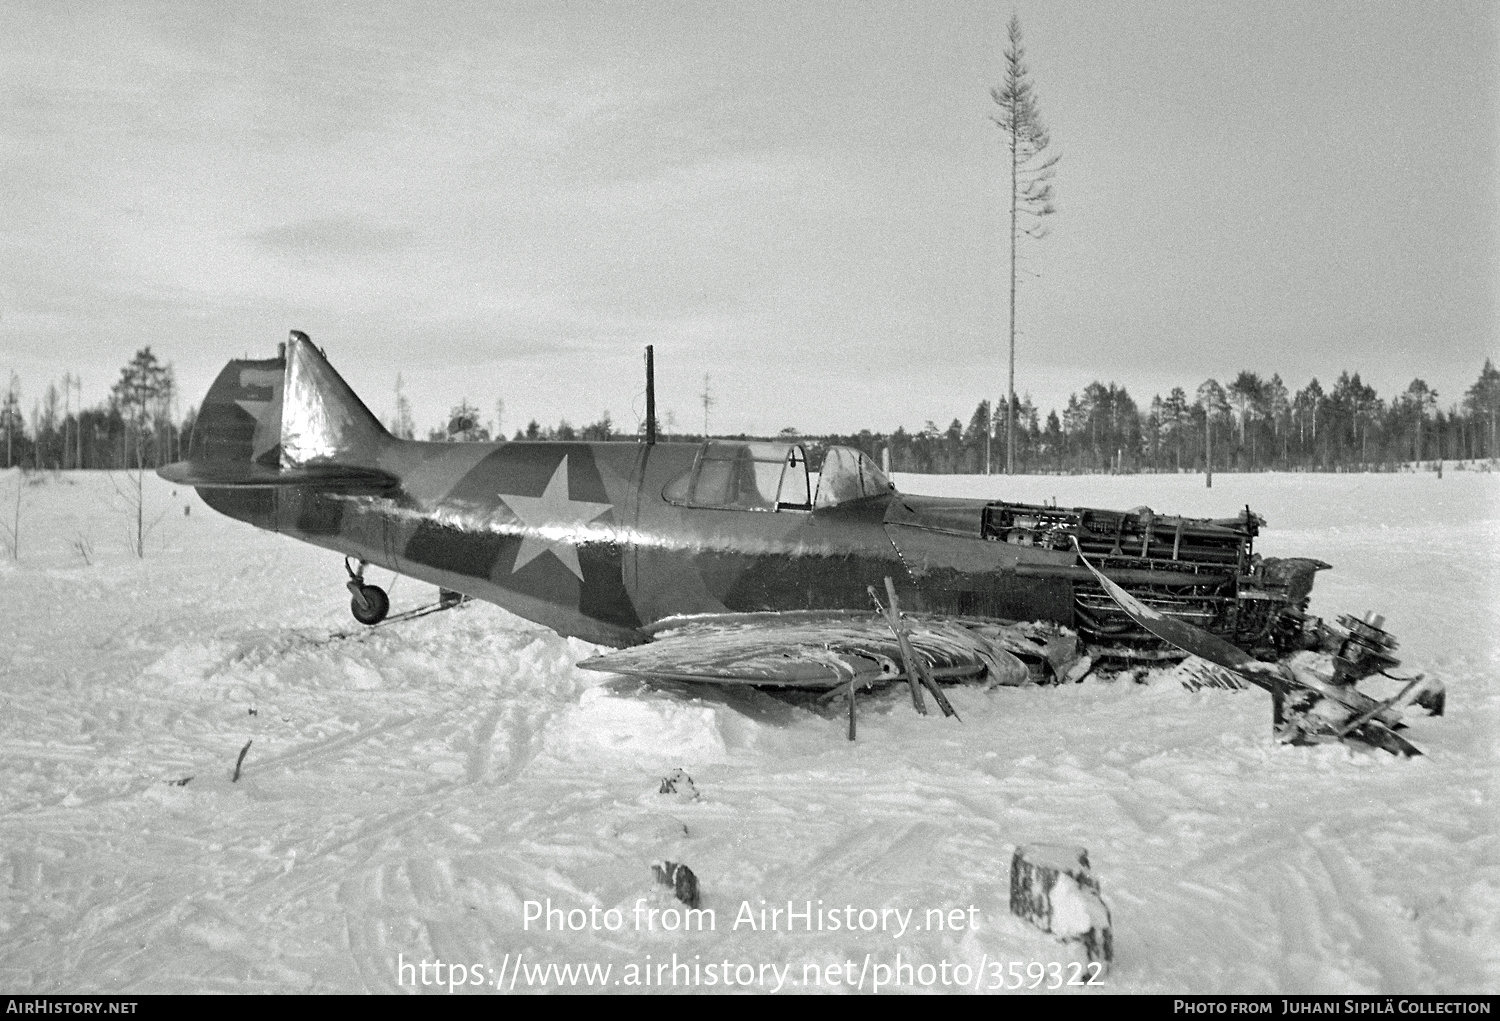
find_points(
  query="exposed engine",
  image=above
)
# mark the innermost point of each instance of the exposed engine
(1202, 571)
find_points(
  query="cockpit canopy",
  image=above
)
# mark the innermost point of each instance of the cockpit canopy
(744, 476)
(733, 475)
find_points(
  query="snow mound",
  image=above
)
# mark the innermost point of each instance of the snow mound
(644, 730)
(411, 787)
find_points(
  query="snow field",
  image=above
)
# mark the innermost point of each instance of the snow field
(410, 788)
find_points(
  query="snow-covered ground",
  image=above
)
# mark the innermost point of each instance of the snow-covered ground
(411, 788)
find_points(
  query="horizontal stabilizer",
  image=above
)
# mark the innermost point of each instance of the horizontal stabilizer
(804, 650)
(250, 475)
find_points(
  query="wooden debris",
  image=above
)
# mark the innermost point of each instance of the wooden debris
(1051, 887)
(916, 667)
(907, 657)
(241, 761)
(937, 693)
(680, 879)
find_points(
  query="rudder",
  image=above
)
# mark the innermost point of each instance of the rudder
(240, 420)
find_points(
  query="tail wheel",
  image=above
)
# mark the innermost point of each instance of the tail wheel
(370, 605)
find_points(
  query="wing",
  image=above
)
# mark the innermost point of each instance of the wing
(824, 650)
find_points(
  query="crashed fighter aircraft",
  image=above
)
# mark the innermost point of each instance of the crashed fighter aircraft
(733, 562)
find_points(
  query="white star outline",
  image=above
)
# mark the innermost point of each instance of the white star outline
(267, 427)
(553, 521)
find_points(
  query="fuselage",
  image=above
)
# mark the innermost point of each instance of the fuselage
(604, 540)
(580, 537)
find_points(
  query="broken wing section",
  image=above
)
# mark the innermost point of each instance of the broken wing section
(823, 650)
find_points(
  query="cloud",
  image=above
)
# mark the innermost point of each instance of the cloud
(340, 237)
(750, 188)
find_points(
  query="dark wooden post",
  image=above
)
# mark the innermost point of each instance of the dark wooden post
(650, 395)
(1208, 456)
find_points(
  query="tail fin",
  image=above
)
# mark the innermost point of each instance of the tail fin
(322, 422)
(287, 421)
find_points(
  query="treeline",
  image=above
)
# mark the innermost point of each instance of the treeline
(136, 427)
(1250, 424)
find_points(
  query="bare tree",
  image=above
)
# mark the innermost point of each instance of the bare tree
(403, 426)
(133, 492)
(83, 545)
(144, 396)
(1031, 170)
(11, 420)
(10, 531)
(47, 420)
(78, 430)
(1215, 405)
(67, 450)
(708, 401)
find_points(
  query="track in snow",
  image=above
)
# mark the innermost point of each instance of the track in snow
(410, 787)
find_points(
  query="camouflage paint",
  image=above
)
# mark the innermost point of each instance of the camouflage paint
(578, 536)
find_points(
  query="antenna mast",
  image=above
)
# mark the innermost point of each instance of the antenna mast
(650, 395)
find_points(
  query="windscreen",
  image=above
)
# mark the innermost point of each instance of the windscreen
(849, 474)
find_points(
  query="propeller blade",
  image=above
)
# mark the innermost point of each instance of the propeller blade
(1185, 636)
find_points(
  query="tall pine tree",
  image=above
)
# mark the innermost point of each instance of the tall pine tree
(1031, 170)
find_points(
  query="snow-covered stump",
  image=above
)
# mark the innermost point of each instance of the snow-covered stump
(678, 784)
(1051, 887)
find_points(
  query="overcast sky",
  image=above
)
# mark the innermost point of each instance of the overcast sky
(804, 200)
